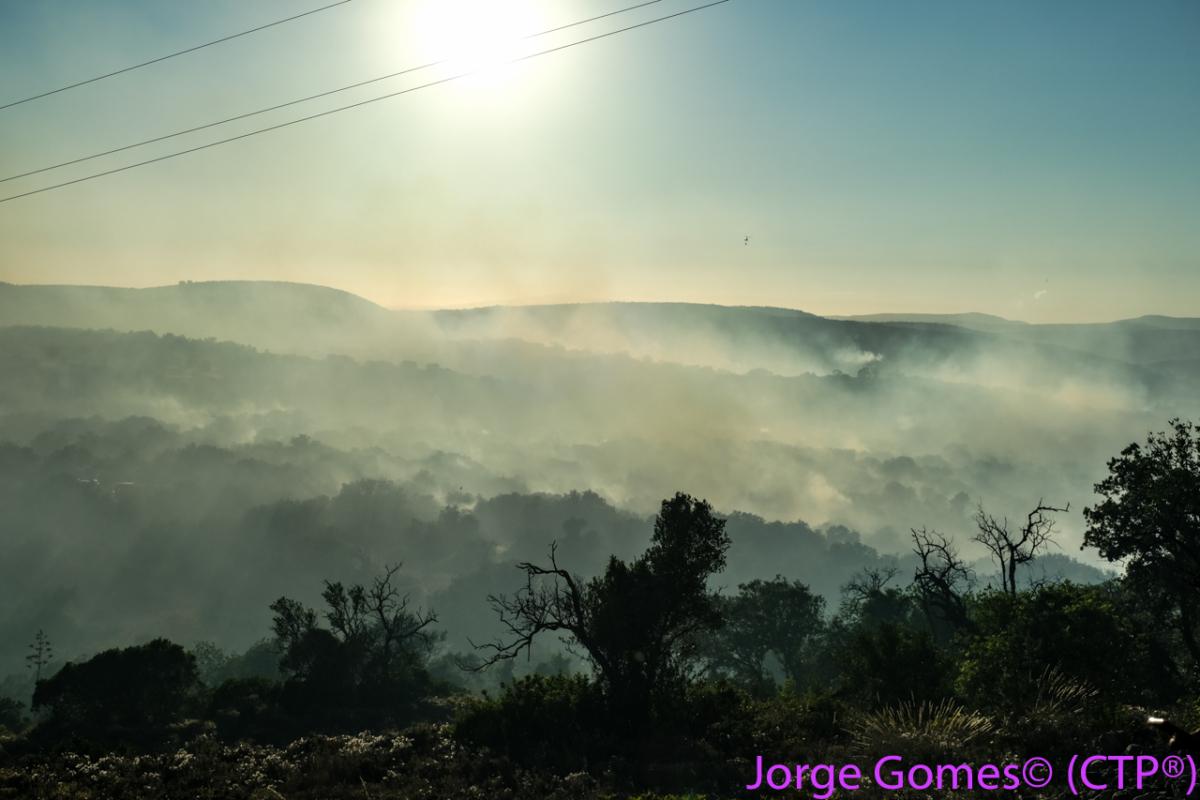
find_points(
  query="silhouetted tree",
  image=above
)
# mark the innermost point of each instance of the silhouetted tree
(1150, 518)
(132, 689)
(777, 617)
(878, 649)
(1010, 549)
(369, 661)
(867, 599)
(941, 580)
(637, 623)
(868, 581)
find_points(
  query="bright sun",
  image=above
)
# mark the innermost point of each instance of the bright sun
(481, 37)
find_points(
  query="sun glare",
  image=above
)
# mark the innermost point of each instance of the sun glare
(481, 37)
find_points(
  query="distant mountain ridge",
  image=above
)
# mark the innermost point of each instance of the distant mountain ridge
(289, 317)
(1140, 340)
(323, 300)
(315, 320)
(981, 321)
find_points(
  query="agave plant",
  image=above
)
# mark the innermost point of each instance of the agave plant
(1063, 711)
(1059, 694)
(924, 729)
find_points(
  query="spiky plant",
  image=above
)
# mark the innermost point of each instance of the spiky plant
(925, 729)
(1059, 694)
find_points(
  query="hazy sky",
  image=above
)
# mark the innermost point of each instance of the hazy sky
(1038, 160)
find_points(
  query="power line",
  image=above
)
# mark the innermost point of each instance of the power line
(172, 55)
(297, 101)
(359, 104)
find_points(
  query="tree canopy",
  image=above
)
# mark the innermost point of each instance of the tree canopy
(1149, 517)
(637, 623)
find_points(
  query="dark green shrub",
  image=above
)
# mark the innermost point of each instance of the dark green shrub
(129, 693)
(553, 721)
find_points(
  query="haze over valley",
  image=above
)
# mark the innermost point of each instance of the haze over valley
(540, 400)
(260, 437)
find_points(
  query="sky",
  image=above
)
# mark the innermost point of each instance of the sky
(1039, 161)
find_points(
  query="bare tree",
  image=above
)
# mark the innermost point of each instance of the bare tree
(348, 614)
(396, 624)
(1010, 549)
(867, 583)
(941, 579)
(552, 600)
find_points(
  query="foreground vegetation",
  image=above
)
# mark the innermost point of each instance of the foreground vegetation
(682, 687)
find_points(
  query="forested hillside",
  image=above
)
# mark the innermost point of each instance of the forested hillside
(294, 513)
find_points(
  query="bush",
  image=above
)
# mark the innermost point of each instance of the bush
(133, 692)
(12, 715)
(1077, 631)
(803, 727)
(553, 721)
(248, 708)
(892, 662)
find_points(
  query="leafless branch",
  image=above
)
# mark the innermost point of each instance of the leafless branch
(1012, 549)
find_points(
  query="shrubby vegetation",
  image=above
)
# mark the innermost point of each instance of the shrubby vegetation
(153, 520)
(669, 684)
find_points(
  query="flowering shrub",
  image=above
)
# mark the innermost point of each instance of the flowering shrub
(424, 762)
